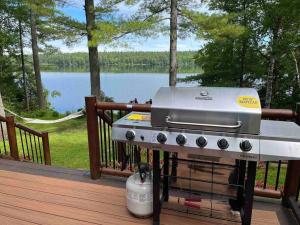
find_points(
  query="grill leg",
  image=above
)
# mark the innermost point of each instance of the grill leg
(166, 176)
(156, 188)
(241, 181)
(174, 167)
(249, 192)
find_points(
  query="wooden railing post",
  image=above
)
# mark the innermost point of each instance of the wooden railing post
(93, 136)
(12, 137)
(292, 173)
(46, 148)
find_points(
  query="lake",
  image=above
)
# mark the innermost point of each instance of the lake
(123, 87)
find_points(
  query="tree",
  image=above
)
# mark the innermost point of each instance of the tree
(36, 62)
(173, 43)
(259, 55)
(174, 11)
(104, 26)
(46, 23)
(228, 58)
(19, 13)
(23, 65)
(280, 22)
(9, 76)
(222, 65)
(93, 49)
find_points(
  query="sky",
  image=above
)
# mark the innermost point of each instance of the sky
(160, 43)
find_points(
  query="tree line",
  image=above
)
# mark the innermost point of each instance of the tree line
(129, 60)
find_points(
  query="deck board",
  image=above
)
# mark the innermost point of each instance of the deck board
(35, 194)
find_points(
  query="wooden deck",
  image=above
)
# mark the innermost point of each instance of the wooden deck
(35, 194)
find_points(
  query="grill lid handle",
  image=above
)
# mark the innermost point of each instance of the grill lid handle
(236, 126)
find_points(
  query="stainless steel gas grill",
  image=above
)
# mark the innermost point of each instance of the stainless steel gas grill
(223, 122)
(217, 122)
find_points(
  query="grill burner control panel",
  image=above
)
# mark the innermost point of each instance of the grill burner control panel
(202, 144)
(277, 140)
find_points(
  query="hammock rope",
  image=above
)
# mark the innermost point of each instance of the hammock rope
(39, 121)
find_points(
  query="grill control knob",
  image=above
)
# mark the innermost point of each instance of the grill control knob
(130, 135)
(201, 142)
(181, 139)
(223, 143)
(161, 138)
(245, 146)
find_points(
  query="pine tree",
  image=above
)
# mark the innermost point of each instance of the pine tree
(46, 23)
(174, 11)
(104, 27)
(93, 49)
(251, 43)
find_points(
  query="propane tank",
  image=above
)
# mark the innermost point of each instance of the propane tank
(140, 192)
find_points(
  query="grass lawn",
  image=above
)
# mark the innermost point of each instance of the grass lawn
(68, 142)
(271, 180)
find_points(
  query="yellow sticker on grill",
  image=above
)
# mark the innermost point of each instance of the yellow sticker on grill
(140, 117)
(248, 102)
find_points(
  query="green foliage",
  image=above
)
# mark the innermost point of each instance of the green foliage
(214, 26)
(46, 114)
(55, 94)
(52, 23)
(14, 21)
(119, 61)
(105, 98)
(10, 80)
(159, 11)
(245, 40)
(111, 26)
(220, 61)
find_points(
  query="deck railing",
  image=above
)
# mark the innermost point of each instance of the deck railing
(107, 156)
(20, 142)
(4, 145)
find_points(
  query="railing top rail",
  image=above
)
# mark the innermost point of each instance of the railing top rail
(123, 106)
(2, 119)
(266, 113)
(29, 130)
(278, 114)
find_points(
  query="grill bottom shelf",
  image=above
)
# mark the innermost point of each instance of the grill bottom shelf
(216, 209)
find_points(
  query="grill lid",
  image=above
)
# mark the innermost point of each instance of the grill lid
(207, 108)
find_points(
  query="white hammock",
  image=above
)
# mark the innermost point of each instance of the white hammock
(38, 121)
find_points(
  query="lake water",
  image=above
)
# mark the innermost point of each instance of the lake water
(123, 87)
